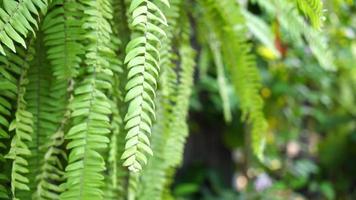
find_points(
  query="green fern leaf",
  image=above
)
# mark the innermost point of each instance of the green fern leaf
(91, 108)
(142, 61)
(10, 70)
(63, 31)
(241, 64)
(17, 19)
(171, 130)
(22, 127)
(215, 47)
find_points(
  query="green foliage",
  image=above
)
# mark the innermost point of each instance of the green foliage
(142, 61)
(241, 64)
(10, 71)
(17, 19)
(95, 104)
(287, 16)
(313, 9)
(22, 128)
(90, 107)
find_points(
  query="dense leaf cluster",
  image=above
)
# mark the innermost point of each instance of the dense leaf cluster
(94, 94)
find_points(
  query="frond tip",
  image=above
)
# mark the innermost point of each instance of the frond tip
(142, 61)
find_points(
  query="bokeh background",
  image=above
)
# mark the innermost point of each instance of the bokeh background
(310, 107)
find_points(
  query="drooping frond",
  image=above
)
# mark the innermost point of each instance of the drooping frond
(39, 105)
(215, 47)
(116, 173)
(156, 167)
(90, 107)
(226, 19)
(155, 170)
(171, 130)
(178, 130)
(17, 19)
(51, 170)
(314, 10)
(62, 35)
(133, 185)
(142, 62)
(120, 24)
(62, 31)
(10, 70)
(22, 128)
(56, 117)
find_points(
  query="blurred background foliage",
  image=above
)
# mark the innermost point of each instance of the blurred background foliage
(310, 106)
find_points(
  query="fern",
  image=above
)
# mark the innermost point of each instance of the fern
(155, 169)
(215, 47)
(77, 126)
(142, 61)
(10, 70)
(314, 10)
(116, 174)
(178, 130)
(62, 30)
(39, 105)
(51, 173)
(22, 127)
(91, 108)
(297, 28)
(17, 19)
(241, 64)
(61, 36)
(171, 130)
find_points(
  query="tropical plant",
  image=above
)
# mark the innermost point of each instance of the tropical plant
(95, 93)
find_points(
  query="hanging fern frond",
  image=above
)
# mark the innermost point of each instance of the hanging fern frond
(52, 169)
(17, 19)
(97, 107)
(55, 116)
(178, 130)
(245, 74)
(171, 130)
(142, 61)
(62, 31)
(39, 104)
(116, 173)
(52, 164)
(228, 22)
(10, 70)
(314, 10)
(215, 47)
(155, 170)
(62, 35)
(91, 108)
(22, 128)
